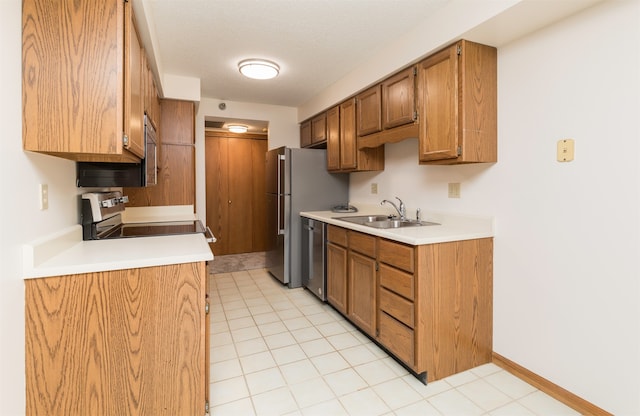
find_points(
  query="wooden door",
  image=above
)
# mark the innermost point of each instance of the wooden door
(348, 140)
(369, 111)
(362, 292)
(398, 102)
(235, 192)
(333, 139)
(438, 89)
(337, 277)
(133, 99)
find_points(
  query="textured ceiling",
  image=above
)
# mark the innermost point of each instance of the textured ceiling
(315, 42)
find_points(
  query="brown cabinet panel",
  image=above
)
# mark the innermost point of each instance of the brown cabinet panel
(176, 161)
(133, 89)
(457, 90)
(343, 154)
(337, 235)
(178, 122)
(398, 99)
(74, 75)
(337, 277)
(398, 338)
(369, 105)
(398, 255)
(362, 292)
(362, 243)
(348, 137)
(305, 134)
(105, 343)
(319, 129)
(400, 308)
(397, 281)
(455, 298)
(334, 145)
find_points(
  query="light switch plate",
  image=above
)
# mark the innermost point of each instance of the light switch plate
(454, 190)
(374, 188)
(44, 196)
(566, 150)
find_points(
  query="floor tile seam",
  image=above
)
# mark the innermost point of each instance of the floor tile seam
(535, 411)
(511, 400)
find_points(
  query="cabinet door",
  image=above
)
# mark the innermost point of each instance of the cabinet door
(337, 277)
(369, 113)
(333, 139)
(133, 98)
(319, 129)
(348, 139)
(105, 343)
(438, 89)
(305, 134)
(178, 122)
(362, 292)
(72, 91)
(398, 99)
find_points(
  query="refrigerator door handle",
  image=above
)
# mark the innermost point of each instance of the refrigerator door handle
(281, 219)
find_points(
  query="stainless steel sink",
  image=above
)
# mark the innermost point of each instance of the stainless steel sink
(364, 219)
(384, 221)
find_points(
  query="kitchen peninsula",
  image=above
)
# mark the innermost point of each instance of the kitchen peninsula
(116, 326)
(422, 293)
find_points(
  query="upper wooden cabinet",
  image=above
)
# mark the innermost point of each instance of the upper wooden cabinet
(81, 76)
(319, 129)
(398, 99)
(343, 154)
(369, 105)
(151, 99)
(386, 109)
(305, 134)
(333, 139)
(457, 90)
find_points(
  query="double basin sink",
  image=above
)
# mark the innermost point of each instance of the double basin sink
(384, 221)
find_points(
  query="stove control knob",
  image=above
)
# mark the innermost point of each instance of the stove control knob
(108, 203)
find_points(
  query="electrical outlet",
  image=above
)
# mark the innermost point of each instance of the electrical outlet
(44, 196)
(454, 190)
(374, 188)
(565, 150)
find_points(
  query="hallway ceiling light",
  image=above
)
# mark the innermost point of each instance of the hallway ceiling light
(258, 68)
(235, 128)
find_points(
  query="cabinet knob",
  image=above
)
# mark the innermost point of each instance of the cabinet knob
(229, 202)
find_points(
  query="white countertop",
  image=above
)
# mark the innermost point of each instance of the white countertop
(65, 252)
(451, 228)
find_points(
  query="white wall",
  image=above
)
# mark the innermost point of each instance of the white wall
(566, 277)
(284, 130)
(22, 221)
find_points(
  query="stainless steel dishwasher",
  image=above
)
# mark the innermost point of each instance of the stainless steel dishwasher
(314, 257)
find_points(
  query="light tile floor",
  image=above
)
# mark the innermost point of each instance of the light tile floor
(279, 351)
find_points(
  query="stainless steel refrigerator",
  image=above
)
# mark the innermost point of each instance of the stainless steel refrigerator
(296, 180)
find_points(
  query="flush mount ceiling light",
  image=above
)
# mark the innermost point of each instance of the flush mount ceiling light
(258, 68)
(236, 128)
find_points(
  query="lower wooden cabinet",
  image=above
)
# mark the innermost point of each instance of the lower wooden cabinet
(124, 342)
(337, 268)
(429, 305)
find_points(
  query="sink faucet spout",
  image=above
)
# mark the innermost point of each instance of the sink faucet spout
(402, 211)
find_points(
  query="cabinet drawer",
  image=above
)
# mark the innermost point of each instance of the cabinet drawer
(396, 306)
(362, 243)
(397, 281)
(337, 235)
(397, 255)
(397, 338)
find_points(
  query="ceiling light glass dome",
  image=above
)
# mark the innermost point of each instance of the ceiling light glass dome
(258, 68)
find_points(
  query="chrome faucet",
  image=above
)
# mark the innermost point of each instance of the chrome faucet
(402, 210)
